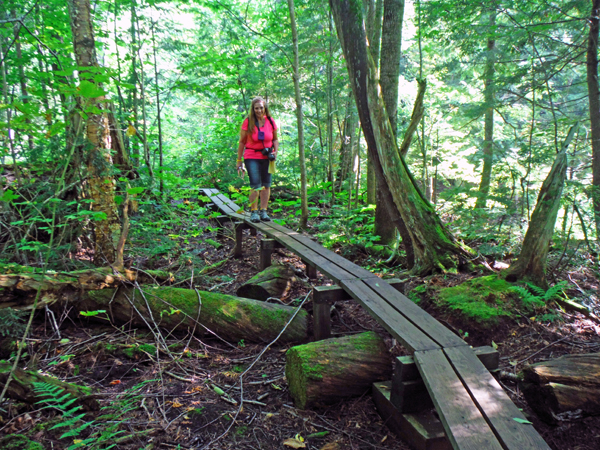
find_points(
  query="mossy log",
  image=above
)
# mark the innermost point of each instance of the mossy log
(19, 284)
(330, 370)
(21, 387)
(231, 318)
(274, 281)
(564, 388)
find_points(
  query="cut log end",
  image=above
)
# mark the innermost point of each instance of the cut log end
(327, 371)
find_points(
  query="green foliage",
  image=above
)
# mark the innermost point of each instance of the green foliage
(12, 322)
(533, 295)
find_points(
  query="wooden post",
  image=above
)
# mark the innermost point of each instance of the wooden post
(253, 231)
(409, 394)
(239, 235)
(266, 248)
(325, 296)
(311, 271)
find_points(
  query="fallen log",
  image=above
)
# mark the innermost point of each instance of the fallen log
(565, 388)
(231, 318)
(22, 387)
(274, 281)
(19, 285)
(330, 370)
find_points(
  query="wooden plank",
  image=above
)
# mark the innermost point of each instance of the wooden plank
(465, 426)
(422, 431)
(407, 370)
(402, 329)
(353, 270)
(491, 399)
(435, 330)
(333, 271)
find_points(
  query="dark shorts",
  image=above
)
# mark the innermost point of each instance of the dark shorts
(258, 172)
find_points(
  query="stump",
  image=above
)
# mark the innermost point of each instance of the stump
(330, 370)
(230, 317)
(564, 388)
(274, 281)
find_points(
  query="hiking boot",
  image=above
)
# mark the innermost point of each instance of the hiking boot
(254, 217)
(264, 216)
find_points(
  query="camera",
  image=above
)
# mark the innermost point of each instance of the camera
(268, 152)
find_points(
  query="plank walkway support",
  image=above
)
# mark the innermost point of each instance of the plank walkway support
(474, 411)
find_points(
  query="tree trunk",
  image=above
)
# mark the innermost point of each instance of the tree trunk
(99, 160)
(391, 42)
(330, 370)
(489, 99)
(275, 281)
(19, 289)
(557, 389)
(300, 118)
(531, 263)
(594, 102)
(348, 144)
(434, 247)
(229, 317)
(22, 388)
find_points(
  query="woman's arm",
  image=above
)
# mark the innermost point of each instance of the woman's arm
(240, 151)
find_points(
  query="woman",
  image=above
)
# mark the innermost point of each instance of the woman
(259, 132)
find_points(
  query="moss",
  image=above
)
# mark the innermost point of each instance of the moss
(484, 299)
(19, 442)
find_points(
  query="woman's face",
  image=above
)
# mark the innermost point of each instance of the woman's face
(259, 109)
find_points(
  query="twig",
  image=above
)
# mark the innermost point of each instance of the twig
(542, 349)
(250, 367)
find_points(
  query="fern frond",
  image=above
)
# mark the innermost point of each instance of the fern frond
(538, 291)
(554, 291)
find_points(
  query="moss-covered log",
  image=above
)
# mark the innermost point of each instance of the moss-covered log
(19, 284)
(274, 281)
(327, 371)
(230, 317)
(21, 387)
(565, 387)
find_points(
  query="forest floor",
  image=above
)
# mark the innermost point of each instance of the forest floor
(175, 400)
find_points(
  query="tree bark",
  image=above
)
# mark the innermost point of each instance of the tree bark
(99, 160)
(531, 263)
(489, 99)
(557, 389)
(330, 370)
(434, 247)
(594, 104)
(274, 281)
(206, 313)
(300, 119)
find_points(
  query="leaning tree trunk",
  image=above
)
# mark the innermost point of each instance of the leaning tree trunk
(99, 160)
(531, 263)
(594, 102)
(435, 248)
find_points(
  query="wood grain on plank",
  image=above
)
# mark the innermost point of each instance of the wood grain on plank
(493, 402)
(426, 323)
(398, 326)
(464, 424)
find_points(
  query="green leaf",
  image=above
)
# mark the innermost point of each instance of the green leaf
(518, 419)
(135, 190)
(90, 90)
(8, 196)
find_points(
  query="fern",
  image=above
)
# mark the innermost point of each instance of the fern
(536, 296)
(12, 322)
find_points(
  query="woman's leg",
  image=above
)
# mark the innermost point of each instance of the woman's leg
(264, 197)
(253, 199)
(253, 168)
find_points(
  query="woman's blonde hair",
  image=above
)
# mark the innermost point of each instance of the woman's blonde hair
(252, 114)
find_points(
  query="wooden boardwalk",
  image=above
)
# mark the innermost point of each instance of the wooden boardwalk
(474, 410)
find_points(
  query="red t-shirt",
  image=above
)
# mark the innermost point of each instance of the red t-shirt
(253, 145)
